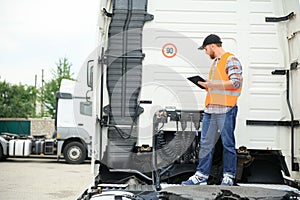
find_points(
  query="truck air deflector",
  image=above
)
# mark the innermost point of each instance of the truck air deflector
(124, 60)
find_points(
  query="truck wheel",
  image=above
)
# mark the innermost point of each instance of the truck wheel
(2, 157)
(74, 153)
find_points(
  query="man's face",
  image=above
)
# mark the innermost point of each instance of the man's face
(209, 51)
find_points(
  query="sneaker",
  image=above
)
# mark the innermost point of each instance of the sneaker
(195, 180)
(227, 181)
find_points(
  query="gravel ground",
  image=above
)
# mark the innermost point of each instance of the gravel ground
(43, 178)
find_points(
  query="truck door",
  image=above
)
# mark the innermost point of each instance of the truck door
(289, 25)
(293, 40)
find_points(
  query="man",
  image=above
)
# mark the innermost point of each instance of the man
(223, 89)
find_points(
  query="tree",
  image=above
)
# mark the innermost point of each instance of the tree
(17, 100)
(63, 71)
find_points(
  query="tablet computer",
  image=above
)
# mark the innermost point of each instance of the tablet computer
(195, 80)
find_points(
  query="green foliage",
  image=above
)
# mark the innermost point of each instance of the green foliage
(17, 101)
(49, 96)
(63, 71)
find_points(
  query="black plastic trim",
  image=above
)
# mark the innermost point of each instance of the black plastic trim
(280, 19)
(294, 65)
(271, 123)
(63, 95)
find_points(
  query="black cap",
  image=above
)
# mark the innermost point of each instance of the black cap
(211, 39)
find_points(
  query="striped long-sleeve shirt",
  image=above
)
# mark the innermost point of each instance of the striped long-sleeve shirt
(234, 71)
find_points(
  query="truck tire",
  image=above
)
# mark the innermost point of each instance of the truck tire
(74, 153)
(2, 157)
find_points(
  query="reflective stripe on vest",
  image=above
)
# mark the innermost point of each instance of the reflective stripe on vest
(226, 97)
(227, 92)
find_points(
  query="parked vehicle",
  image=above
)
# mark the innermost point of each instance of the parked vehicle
(71, 139)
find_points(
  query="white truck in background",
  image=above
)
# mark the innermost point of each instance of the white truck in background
(147, 115)
(71, 139)
(73, 122)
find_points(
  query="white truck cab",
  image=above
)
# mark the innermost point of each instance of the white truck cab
(149, 115)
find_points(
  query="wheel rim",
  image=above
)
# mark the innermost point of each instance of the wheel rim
(74, 153)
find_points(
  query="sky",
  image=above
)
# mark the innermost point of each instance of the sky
(35, 34)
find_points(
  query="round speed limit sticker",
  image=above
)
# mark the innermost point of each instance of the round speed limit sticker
(169, 50)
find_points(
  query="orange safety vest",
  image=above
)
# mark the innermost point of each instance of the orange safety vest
(225, 97)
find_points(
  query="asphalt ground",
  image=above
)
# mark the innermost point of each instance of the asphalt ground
(43, 179)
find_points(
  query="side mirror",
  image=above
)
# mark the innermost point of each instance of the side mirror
(89, 72)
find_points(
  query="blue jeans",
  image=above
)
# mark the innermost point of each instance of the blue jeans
(213, 126)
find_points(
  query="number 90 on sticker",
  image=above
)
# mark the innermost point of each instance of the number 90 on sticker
(169, 50)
